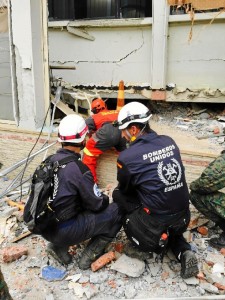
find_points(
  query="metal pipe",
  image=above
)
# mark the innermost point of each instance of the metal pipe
(14, 180)
(55, 102)
(6, 192)
(19, 163)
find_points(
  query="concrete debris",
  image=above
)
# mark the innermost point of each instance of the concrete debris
(191, 281)
(209, 288)
(129, 266)
(125, 277)
(197, 119)
(26, 265)
(49, 297)
(74, 278)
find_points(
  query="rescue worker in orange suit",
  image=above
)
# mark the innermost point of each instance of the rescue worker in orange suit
(103, 135)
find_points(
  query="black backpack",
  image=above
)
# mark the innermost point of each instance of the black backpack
(38, 214)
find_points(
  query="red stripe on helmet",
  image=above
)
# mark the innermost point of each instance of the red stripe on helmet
(76, 136)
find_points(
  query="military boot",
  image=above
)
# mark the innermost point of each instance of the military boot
(189, 264)
(94, 250)
(219, 242)
(59, 253)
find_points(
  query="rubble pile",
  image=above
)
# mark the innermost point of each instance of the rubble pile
(204, 121)
(31, 274)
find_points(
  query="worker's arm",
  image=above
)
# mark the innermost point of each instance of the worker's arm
(91, 124)
(91, 196)
(212, 178)
(125, 195)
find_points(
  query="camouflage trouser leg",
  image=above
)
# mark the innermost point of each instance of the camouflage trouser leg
(211, 205)
(4, 292)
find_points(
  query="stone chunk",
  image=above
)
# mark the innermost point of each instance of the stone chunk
(209, 288)
(130, 266)
(215, 258)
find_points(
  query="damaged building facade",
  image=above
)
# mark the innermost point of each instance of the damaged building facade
(163, 50)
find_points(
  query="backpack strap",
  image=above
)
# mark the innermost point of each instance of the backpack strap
(83, 168)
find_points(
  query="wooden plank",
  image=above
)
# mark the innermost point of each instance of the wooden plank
(22, 236)
(200, 154)
(63, 107)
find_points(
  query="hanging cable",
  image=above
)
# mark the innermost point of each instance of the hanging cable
(55, 102)
(24, 169)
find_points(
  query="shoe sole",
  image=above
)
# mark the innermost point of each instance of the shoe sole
(191, 267)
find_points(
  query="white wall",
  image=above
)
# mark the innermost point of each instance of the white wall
(150, 52)
(6, 111)
(31, 82)
(115, 54)
(155, 52)
(199, 63)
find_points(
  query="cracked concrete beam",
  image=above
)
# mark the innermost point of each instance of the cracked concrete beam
(81, 33)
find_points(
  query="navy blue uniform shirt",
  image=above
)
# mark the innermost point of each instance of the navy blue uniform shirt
(151, 168)
(75, 191)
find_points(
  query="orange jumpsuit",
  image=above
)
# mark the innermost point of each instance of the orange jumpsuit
(104, 137)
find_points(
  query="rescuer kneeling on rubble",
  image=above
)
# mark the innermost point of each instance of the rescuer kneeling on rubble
(207, 198)
(82, 210)
(104, 135)
(152, 190)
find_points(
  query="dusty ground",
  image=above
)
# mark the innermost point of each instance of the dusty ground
(158, 280)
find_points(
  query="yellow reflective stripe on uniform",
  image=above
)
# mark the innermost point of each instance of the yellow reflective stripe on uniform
(86, 151)
(110, 112)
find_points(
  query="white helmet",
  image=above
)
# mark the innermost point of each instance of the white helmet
(133, 112)
(72, 129)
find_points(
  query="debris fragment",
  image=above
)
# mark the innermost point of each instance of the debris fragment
(16, 204)
(130, 266)
(50, 273)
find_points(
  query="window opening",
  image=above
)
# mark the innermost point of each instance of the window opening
(98, 9)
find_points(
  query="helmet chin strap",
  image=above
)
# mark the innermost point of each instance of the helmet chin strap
(133, 137)
(83, 144)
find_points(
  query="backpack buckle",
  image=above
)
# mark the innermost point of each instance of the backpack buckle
(56, 165)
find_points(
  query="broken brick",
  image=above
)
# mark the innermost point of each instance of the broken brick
(216, 130)
(112, 284)
(10, 254)
(222, 251)
(201, 276)
(219, 286)
(102, 261)
(203, 230)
